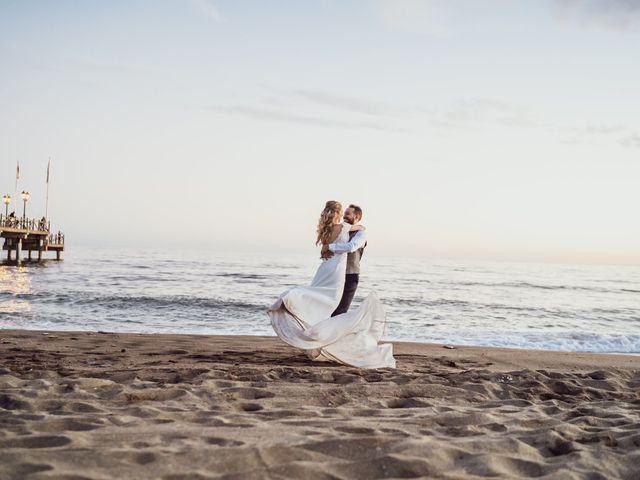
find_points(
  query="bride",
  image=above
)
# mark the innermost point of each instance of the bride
(301, 316)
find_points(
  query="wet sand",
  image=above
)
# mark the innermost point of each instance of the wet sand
(103, 405)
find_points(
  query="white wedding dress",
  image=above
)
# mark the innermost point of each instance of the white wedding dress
(301, 316)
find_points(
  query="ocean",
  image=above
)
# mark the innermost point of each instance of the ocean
(523, 305)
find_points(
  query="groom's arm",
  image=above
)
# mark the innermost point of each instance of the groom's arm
(357, 242)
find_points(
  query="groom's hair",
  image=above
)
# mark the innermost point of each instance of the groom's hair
(357, 210)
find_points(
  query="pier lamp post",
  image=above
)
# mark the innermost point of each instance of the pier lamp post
(25, 197)
(7, 200)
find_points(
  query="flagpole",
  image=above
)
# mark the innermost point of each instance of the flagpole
(46, 207)
(15, 191)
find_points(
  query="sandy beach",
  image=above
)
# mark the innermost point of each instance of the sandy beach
(105, 405)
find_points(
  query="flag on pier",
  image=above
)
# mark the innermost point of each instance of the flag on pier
(46, 205)
(15, 190)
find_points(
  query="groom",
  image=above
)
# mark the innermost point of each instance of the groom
(355, 248)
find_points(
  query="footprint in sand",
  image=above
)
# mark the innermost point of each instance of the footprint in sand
(562, 447)
(121, 377)
(223, 442)
(83, 408)
(356, 430)
(250, 407)
(145, 458)
(29, 416)
(495, 427)
(364, 412)
(170, 438)
(347, 379)
(9, 402)
(406, 403)
(45, 441)
(67, 425)
(177, 351)
(140, 412)
(223, 384)
(25, 469)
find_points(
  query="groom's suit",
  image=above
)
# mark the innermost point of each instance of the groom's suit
(355, 248)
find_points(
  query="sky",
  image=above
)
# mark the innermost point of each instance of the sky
(493, 129)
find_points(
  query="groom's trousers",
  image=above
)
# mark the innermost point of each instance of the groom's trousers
(350, 287)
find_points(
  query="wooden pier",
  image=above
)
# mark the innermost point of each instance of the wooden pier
(28, 235)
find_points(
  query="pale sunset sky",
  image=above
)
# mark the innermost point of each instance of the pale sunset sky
(476, 129)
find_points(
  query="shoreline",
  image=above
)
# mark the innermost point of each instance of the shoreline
(397, 343)
(103, 405)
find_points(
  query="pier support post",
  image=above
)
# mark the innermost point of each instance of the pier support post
(58, 255)
(29, 254)
(19, 251)
(8, 253)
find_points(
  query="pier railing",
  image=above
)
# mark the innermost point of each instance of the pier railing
(56, 238)
(19, 223)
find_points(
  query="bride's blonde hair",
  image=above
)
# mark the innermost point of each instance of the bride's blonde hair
(328, 216)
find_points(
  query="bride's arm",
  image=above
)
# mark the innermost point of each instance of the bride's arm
(357, 241)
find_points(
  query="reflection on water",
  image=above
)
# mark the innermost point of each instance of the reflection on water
(15, 283)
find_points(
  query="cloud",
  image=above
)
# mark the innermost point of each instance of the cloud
(328, 109)
(484, 111)
(270, 114)
(458, 117)
(461, 114)
(359, 105)
(209, 10)
(631, 141)
(625, 136)
(618, 15)
(595, 130)
(603, 129)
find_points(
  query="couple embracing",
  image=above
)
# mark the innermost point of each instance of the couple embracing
(316, 317)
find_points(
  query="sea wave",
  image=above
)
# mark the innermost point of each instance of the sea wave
(559, 341)
(535, 286)
(131, 301)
